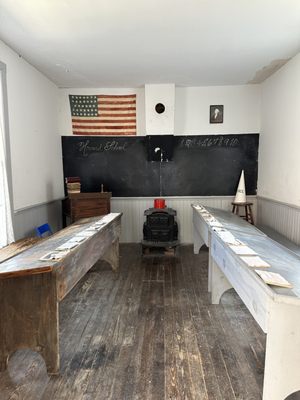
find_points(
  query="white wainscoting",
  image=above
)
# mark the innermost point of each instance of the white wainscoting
(282, 217)
(133, 213)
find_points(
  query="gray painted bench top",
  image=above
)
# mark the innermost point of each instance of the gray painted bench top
(280, 238)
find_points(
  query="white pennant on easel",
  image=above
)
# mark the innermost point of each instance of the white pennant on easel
(240, 196)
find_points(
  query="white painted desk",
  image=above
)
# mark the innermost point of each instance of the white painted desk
(276, 310)
(202, 231)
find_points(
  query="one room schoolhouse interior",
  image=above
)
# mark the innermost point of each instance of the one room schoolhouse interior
(150, 200)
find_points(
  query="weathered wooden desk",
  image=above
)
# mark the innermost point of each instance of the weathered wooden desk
(30, 289)
(276, 310)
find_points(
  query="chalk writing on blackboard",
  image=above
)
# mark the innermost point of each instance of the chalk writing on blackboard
(86, 147)
(206, 142)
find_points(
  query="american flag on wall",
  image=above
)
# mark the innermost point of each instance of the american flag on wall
(103, 114)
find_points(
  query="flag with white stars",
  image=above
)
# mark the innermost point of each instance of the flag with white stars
(103, 114)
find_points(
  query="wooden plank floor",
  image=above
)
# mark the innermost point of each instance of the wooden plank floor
(148, 333)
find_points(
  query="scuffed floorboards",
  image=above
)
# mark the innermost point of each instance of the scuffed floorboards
(147, 333)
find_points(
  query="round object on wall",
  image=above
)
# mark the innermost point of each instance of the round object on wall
(160, 108)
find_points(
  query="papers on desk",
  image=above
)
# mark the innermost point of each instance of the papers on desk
(67, 246)
(54, 255)
(272, 278)
(206, 215)
(107, 218)
(218, 229)
(88, 233)
(255, 261)
(78, 239)
(200, 208)
(246, 254)
(243, 250)
(228, 238)
(93, 228)
(215, 223)
(62, 250)
(203, 211)
(99, 224)
(96, 226)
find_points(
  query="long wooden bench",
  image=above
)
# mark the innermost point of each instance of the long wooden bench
(30, 289)
(276, 310)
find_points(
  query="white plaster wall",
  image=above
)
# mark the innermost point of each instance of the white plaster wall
(241, 109)
(279, 161)
(157, 124)
(35, 144)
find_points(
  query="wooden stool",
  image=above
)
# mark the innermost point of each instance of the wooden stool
(248, 211)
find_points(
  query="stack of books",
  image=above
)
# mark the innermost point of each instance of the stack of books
(73, 184)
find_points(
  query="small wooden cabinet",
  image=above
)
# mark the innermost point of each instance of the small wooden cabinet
(84, 205)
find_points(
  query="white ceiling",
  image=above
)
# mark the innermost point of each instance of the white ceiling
(127, 43)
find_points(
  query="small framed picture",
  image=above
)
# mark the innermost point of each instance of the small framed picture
(216, 114)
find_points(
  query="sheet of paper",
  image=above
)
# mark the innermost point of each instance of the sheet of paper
(215, 222)
(255, 261)
(273, 278)
(243, 250)
(87, 233)
(228, 238)
(218, 229)
(107, 218)
(54, 255)
(200, 208)
(77, 239)
(92, 228)
(100, 223)
(207, 217)
(96, 227)
(67, 246)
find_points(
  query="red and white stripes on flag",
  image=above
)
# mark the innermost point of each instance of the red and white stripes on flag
(103, 114)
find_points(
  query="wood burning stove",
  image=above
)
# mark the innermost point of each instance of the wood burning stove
(160, 228)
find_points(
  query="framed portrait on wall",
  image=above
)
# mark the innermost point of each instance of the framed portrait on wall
(216, 114)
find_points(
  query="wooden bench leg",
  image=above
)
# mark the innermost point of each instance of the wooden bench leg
(29, 318)
(197, 239)
(282, 376)
(112, 255)
(219, 283)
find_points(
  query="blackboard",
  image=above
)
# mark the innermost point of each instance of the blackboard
(204, 165)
